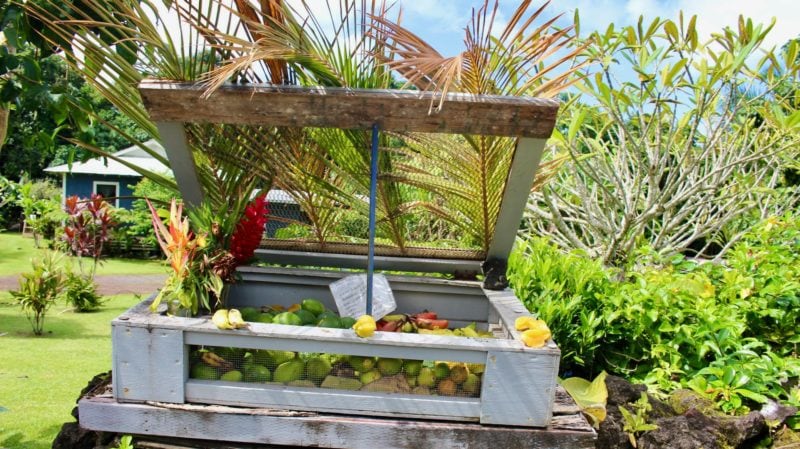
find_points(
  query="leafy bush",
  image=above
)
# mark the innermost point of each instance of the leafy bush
(565, 290)
(39, 289)
(727, 331)
(678, 156)
(81, 293)
(87, 228)
(136, 225)
(41, 203)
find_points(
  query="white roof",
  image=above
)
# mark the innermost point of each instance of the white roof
(107, 166)
(137, 156)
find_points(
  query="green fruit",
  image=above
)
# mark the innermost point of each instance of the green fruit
(471, 386)
(289, 371)
(287, 318)
(441, 370)
(426, 377)
(257, 373)
(306, 317)
(264, 318)
(262, 357)
(390, 367)
(330, 321)
(279, 357)
(327, 313)
(317, 368)
(412, 380)
(341, 383)
(313, 306)
(348, 322)
(370, 376)
(230, 354)
(232, 376)
(362, 364)
(204, 372)
(412, 367)
(249, 313)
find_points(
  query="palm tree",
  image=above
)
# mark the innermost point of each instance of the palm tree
(325, 170)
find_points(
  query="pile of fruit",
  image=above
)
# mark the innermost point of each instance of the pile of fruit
(311, 312)
(341, 372)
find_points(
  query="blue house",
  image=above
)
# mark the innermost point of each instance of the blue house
(109, 177)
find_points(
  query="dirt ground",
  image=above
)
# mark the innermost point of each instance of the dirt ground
(112, 284)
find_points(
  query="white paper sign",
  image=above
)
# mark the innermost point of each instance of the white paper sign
(350, 294)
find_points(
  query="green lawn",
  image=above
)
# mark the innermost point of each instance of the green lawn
(16, 252)
(41, 377)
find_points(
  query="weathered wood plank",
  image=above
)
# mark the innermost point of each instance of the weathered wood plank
(507, 308)
(518, 389)
(148, 364)
(418, 264)
(330, 431)
(203, 331)
(392, 110)
(333, 401)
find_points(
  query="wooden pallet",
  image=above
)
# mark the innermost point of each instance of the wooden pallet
(184, 426)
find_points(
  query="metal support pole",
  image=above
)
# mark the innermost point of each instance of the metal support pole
(373, 195)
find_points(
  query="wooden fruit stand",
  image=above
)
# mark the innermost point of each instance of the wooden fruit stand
(519, 403)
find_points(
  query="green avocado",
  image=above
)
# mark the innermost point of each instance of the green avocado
(249, 313)
(289, 371)
(330, 321)
(257, 373)
(313, 306)
(306, 317)
(287, 318)
(204, 372)
(348, 322)
(232, 376)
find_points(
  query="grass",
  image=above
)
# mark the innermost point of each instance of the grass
(16, 252)
(41, 377)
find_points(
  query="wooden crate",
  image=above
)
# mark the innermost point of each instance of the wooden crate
(151, 352)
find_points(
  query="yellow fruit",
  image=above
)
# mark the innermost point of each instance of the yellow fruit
(235, 319)
(536, 336)
(220, 319)
(365, 326)
(294, 308)
(524, 323)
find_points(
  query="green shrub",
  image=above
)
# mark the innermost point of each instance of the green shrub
(39, 289)
(81, 293)
(566, 290)
(729, 331)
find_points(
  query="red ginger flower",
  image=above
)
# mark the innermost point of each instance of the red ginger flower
(249, 230)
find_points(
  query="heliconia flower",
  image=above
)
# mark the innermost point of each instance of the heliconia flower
(249, 230)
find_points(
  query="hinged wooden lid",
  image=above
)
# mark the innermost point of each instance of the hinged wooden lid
(172, 105)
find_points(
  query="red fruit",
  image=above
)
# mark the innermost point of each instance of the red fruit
(423, 323)
(386, 326)
(426, 315)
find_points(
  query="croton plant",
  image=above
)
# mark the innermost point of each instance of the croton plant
(204, 248)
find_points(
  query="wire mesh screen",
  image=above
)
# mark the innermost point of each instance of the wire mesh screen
(438, 194)
(336, 371)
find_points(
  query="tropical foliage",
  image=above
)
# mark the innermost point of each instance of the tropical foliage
(673, 141)
(727, 331)
(325, 170)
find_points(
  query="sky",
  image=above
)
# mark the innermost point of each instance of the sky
(441, 22)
